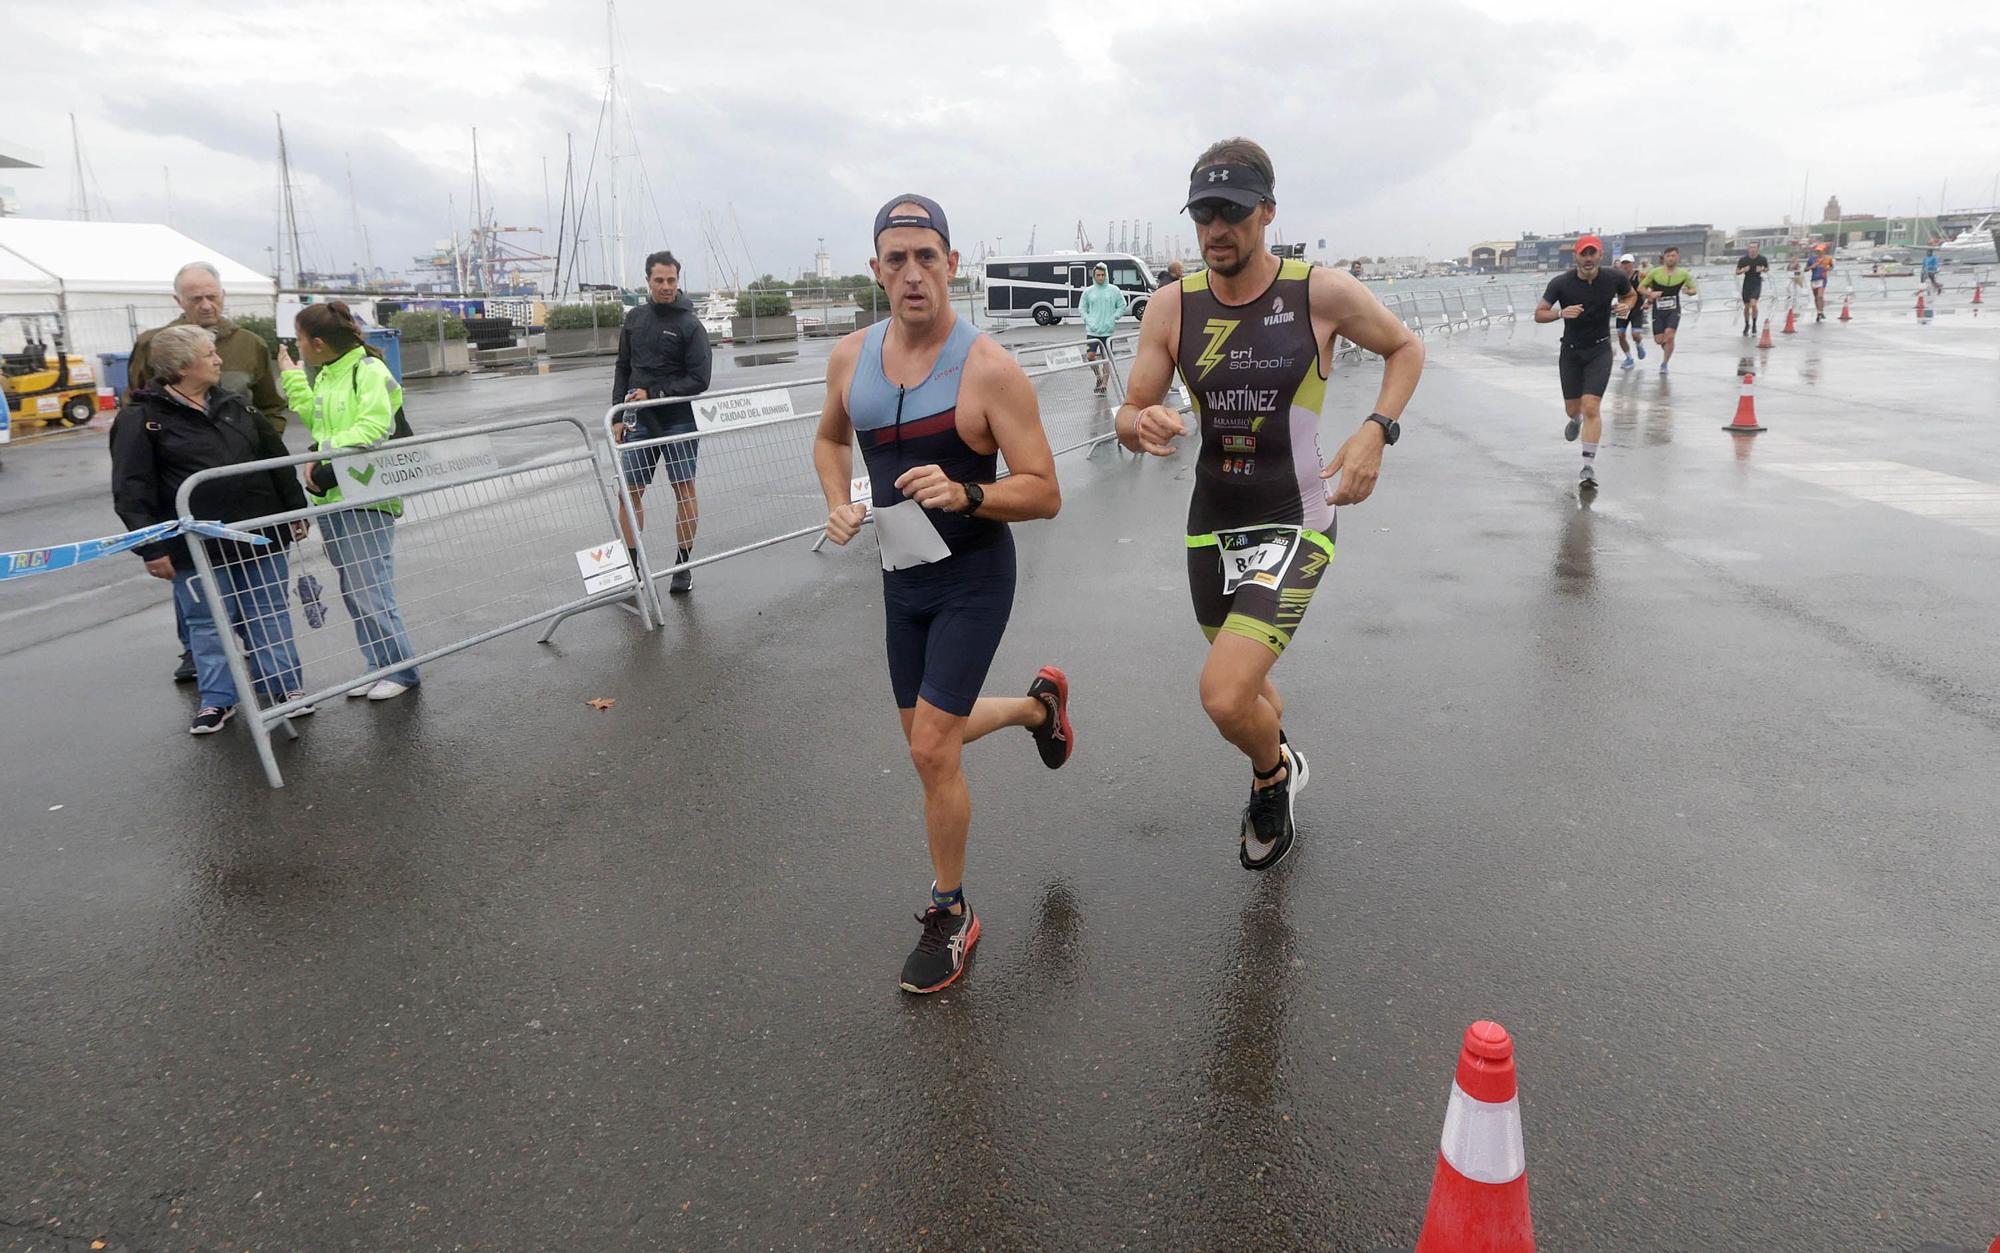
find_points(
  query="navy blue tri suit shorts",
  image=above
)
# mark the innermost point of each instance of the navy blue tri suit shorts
(641, 464)
(944, 622)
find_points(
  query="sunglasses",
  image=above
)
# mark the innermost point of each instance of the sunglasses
(1205, 211)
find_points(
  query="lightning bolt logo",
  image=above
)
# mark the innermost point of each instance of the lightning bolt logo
(1218, 330)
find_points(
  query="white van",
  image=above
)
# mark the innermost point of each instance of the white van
(1047, 287)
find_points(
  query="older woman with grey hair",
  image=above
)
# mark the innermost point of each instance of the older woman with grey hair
(179, 423)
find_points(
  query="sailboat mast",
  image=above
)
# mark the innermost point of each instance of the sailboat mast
(76, 155)
(479, 267)
(611, 120)
(291, 209)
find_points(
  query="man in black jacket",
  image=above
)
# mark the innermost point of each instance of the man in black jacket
(662, 351)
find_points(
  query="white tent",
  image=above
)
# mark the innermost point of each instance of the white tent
(110, 280)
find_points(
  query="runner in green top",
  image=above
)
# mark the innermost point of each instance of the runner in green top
(1667, 283)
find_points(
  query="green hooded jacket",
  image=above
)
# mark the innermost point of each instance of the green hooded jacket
(352, 403)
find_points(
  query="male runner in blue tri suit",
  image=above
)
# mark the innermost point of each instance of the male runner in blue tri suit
(1253, 338)
(932, 402)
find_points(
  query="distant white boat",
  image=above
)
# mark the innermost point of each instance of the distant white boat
(1974, 244)
(715, 311)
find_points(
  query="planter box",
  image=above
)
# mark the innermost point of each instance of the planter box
(423, 359)
(782, 326)
(582, 340)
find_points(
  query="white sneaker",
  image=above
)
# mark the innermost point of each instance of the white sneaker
(356, 692)
(387, 689)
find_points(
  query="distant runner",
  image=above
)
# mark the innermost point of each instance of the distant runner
(1931, 264)
(1102, 305)
(932, 402)
(1253, 338)
(1583, 300)
(1821, 268)
(1750, 268)
(1664, 285)
(1632, 316)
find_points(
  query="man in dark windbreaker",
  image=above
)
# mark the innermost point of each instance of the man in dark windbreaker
(662, 351)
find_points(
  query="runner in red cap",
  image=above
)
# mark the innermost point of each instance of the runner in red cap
(1583, 300)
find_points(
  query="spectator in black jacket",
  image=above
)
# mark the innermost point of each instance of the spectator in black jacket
(662, 351)
(180, 423)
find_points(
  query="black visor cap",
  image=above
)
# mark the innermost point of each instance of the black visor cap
(1238, 184)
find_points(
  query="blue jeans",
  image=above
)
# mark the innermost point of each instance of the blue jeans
(361, 543)
(254, 593)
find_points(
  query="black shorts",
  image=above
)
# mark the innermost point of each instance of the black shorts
(1636, 319)
(641, 464)
(1752, 291)
(1585, 371)
(1267, 603)
(1097, 347)
(944, 622)
(1665, 320)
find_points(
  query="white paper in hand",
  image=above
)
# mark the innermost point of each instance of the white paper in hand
(908, 536)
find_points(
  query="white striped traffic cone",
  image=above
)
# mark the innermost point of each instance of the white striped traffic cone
(1479, 1194)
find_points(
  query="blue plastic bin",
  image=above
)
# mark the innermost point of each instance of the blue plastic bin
(389, 342)
(114, 371)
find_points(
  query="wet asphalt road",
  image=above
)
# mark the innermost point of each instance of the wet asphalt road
(1693, 789)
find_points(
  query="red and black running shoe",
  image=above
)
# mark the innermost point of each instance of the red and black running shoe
(1054, 739)
(940, 955)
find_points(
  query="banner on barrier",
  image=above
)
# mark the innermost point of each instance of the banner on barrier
(726, 411)
(391, 470)
(1059, 357)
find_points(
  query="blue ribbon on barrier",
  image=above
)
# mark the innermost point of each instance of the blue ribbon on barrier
(61, 557)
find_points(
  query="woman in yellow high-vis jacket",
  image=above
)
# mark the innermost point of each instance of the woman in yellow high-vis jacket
(352, 403)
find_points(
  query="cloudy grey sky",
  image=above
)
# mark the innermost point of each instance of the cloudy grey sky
(1396, 128)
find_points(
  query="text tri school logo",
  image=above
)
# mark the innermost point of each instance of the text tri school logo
(1218, 330)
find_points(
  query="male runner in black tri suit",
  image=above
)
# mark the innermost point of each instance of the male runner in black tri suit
(1750, 268)
(1253, 339)
(933, 403)
(1583, 300)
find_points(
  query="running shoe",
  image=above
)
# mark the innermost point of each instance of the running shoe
(1663, 367)
(1587, 481)
(1572, 428)
(184, 672)
(1642, 348)
(1268, 820)
(1627, 363)
(1053, 739)
(210, 719)
(682, 581)
(941, 951)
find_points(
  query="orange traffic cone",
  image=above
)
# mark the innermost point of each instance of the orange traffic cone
(1479, 1193)
(1978, 290)
(1792, 321)
(1764, 341)
(1746, 410)
(1845, 316)
(1920, 305)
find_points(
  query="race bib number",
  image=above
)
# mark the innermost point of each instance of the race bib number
(1669, 303)
(1257, 555)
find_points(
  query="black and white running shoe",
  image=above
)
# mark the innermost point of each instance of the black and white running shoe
(1268, 827)
(210, 719)
(940, 955)
(1054, 739)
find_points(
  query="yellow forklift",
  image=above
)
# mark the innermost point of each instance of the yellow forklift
(43, 382)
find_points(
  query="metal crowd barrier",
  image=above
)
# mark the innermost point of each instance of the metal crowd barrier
(482, 548)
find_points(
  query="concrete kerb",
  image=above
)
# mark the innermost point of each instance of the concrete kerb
(279, 713)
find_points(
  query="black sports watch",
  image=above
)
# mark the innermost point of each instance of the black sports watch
(975, 496)
(1392, 430)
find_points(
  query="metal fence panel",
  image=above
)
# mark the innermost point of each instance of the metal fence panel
(485, 545)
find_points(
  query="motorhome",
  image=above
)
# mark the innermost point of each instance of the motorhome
(1047, 287)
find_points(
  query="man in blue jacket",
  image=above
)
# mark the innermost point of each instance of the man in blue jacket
(662, 351)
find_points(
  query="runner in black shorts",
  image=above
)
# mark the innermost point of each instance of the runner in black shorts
(1583, 300)
(1253, 338)
(1634, 318)
(933, 402)
(1750, 267)
(1666, 285)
